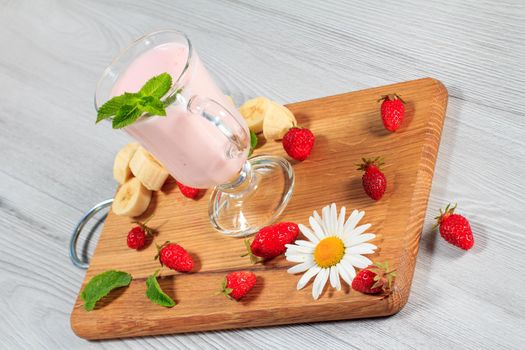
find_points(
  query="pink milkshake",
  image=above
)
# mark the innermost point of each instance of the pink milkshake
(203, 141)
(193, 149)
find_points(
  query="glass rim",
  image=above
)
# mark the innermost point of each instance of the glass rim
(133, 45)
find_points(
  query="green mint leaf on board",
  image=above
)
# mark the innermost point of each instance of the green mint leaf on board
(253, 142)
(157, 86)
(155, 293)
(100, 285)
(125, 109)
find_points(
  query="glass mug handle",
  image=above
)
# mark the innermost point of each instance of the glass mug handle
(215, 113)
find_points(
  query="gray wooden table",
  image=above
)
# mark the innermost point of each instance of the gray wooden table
(55, 163)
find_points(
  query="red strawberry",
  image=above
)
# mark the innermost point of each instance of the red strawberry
(139, 235)
(374, 181)
(374, 279)
(392, 111)
(270, 241)
(298, 143)
(187, 191)
(174, 257)
(237, 284)
(455, 228)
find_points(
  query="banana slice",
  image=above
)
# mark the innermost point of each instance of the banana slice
(148, 170)
(254, 111)
(277, 122)
(121, 171)
(132, 199)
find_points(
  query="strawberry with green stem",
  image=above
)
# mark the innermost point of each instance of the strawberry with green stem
(392, 111)
(139, 235)
(454, 228)
(175, 257)
(374, 181)
(374, 279)
(237, 284)
(271, 241)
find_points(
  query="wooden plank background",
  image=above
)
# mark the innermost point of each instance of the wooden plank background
(55, 163)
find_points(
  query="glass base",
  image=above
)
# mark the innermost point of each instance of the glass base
(255, 200)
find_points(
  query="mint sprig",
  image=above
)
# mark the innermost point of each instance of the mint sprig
(100, 285)
(156, 294)
(125, 109)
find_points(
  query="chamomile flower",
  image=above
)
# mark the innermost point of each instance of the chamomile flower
(334, 249)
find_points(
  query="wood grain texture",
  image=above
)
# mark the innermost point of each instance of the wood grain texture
(347, 128)
(55, 163)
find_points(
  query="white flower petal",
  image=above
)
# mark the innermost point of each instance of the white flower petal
(318, 231)
(346, 271)
(308, 233)
(352, 241)
(360, 229)
(307, 276)
(304, 243)
(357, 260)
(319, 283)
(334, 278)
(319, 220)
(353, 219)
(296, 249)
(341, 221)
(333, 219)
(326, 220)
(301, 267)
(298, 258)
(363, 248)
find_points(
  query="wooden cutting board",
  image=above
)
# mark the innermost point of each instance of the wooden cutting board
(347, 128)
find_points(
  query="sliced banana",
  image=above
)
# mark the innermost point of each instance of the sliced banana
(148, 170)
(278, 121)
(132, 199)
(121, 170)
(254, 111)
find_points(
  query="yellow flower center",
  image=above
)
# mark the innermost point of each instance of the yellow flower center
(329, 251)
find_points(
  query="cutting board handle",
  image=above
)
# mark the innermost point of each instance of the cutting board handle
(78, 229)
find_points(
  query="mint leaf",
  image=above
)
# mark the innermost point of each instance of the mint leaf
(157, 86)
(100, 285)
(128, 107)
(153, 105)
(155, 293)
(253, 142)
(126, 115)
(111, 107)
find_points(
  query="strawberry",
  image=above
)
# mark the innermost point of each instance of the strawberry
(270, 241)
(374, 181)
(392, 111)
(174, 257)
(237, 284)
(455, 228)
(298, 143)
(139, 235)
(374, 279)
(187, 191)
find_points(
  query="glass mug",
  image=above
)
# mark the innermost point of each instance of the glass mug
(203, 141)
